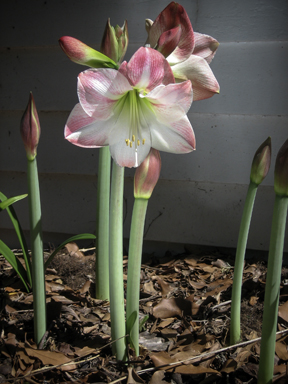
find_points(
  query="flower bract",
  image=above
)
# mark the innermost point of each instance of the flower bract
(132, 109)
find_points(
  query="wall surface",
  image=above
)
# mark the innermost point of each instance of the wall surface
(199, 198)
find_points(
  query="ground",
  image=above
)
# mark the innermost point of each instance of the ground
(185, 311)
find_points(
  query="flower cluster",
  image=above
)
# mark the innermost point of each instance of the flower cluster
(142, 104)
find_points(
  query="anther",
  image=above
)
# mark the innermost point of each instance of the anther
(127, 142)
(133, 138)
(143, 141)
(138, 142)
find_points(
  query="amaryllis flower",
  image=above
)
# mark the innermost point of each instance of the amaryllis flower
(132, 109)
(189, 53)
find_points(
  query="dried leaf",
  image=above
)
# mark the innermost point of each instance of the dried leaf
(51, 358)
(73, 250)
(133, 378)
(172, 307)
(165, 287)
(281, 351)
(283, 311)
(158, 377)
(253, 300)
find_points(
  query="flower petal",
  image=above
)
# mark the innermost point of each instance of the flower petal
(205, 46)
(197, 70)
(180, 94)
(169, 40)
(172, 16)
(84, 131)
(177, 138)
(147, 69)
(98, 89)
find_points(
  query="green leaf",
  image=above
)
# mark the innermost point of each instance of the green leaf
(142, 323)
(129, 325)
(83, 236)
(15, 263)
(11, 200)
(14, 219)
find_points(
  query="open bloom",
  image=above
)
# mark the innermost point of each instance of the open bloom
(132, 109)
(189, 53)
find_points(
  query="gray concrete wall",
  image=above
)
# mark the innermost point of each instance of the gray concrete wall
(199, 198)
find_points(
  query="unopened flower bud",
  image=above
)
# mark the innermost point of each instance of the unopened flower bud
(81, 53)
(147, 175)
(115, 41)
(261, 162)
(281, 171)
(30, 129)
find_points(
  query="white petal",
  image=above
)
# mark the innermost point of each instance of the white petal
(84, 131)
(180, 94)
(197, 70)
(178, 138)
(98, 89)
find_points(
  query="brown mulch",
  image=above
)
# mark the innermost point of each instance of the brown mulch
(184, 317)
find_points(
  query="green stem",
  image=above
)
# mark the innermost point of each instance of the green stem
(235, 330)
(116, 263)
(102, 225)
(134, 270)
(38, 278)
(271, 300)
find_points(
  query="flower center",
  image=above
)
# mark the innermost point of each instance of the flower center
(133, 105)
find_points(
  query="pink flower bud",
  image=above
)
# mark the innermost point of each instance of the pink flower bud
(261, 162)
(30, 129)
(281, 171)
(81, 53)
(147, 175)
(115, 41)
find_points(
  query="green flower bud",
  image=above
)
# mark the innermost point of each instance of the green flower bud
(115, 41)
(261, 162)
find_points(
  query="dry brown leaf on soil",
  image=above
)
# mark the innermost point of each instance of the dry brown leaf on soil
(73, 250)
(158, 377)
(253, 300)
(283, 311)
(133, 378)
(281, 351)
(174, 307)
(164, 286)
(163, 359)
(51, 358)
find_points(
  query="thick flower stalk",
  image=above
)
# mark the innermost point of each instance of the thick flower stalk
(259, 169)
(145, 179)
(273, 279)
(132, 109)
(30, 132)
(189, 53)
(113, 48)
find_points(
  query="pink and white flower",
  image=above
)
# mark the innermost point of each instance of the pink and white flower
(189, 53)
(132, 109)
